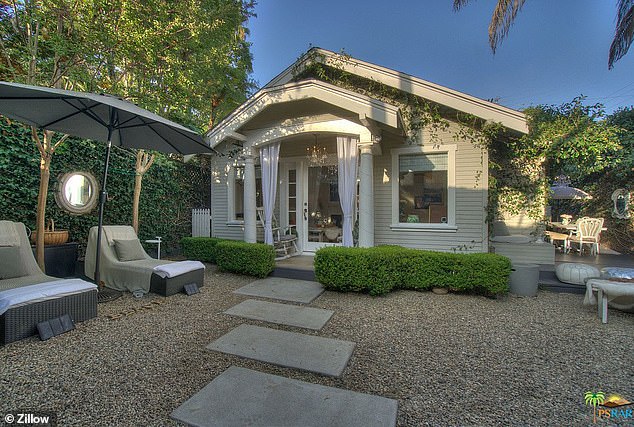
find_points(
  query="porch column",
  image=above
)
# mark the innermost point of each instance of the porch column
(250, 216)
(366, 197)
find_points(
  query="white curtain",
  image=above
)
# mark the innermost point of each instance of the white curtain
(347, 154)
(269, 156)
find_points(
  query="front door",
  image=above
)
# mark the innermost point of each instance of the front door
(321, 210)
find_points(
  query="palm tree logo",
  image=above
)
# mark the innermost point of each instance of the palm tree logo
(594, 399)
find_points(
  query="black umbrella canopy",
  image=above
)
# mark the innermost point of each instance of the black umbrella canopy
(91, 116)
(98, 117)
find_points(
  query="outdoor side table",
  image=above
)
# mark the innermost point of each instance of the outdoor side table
(605, 290)
(156, 241)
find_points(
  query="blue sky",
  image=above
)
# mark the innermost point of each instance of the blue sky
(555, 51)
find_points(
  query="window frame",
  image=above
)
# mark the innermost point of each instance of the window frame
(231, 193)
(450, 150)
(231, 199)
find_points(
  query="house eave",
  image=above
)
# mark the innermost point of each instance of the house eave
(508, 117)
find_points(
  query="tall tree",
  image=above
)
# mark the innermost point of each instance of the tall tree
(187, 60)
(41, 44)
(506, 10)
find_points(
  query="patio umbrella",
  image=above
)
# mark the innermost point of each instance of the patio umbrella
(561, 190)
(99, 117)
(565, 192)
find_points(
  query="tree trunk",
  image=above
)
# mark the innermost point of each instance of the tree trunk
(45, 164)
(135, 204)
(143, 163)
(47, 149)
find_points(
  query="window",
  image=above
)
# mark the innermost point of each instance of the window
(423, 188)
(236, 191)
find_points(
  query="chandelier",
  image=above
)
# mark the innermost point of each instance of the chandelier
(317, 156)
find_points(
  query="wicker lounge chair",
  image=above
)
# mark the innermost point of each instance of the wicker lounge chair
(20, 321)
(134, 273)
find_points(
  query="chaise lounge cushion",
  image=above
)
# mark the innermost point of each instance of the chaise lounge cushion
(129, 250)
(11, 263)
(133, 276)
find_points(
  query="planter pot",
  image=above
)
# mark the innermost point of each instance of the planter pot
(51, 236)
(440, 291)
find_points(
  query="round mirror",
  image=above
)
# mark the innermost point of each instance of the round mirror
(77, 192)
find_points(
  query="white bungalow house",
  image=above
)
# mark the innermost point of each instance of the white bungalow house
(339, 165)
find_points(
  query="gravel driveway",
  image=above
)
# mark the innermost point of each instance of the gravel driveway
(449, 359)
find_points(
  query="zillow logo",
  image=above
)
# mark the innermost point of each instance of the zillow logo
(612, 408)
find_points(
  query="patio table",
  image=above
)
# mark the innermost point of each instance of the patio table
(572, 226)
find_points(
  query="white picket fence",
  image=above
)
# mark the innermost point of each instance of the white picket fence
(201, 223)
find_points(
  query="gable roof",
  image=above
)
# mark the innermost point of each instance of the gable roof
(361, 105)
(486, 110)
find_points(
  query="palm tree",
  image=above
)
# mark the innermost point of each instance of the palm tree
(506, 10)
(594, 399)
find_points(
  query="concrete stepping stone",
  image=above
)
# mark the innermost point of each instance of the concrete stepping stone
(240, 397)
(283, 289)
(283, 314)
(325, 356)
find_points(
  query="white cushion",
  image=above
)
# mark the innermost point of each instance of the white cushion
(576, 273)
(620, 272)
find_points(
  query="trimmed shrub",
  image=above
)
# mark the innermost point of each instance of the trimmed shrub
(200, 248)
(344, 269)
(380, 269)
(253, 259)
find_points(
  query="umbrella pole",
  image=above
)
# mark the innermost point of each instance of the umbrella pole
(103, 194)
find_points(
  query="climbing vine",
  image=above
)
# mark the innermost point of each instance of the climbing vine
(171, 188)
(517, 181)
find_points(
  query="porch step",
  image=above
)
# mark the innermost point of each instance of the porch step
(548, 281)
(294, 273)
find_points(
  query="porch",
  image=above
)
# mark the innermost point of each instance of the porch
(335, 167)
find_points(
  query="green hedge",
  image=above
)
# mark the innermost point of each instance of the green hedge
(253, 259)
(381, 269)
(170, 190)
(200, 248)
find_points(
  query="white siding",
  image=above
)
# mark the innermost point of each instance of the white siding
(471, 194)
(219, 208)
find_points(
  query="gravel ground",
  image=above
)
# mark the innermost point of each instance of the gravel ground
(449, 359)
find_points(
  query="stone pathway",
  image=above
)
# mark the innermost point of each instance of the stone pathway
(241, 397)
(282, 314)
(245, 397)
(325, 356)
(283, 289)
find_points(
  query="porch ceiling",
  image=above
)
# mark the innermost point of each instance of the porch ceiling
(290, 110)
(304, 99)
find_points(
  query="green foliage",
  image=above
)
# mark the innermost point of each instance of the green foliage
(200, 248)
(575, 138)
(253, 259)
(381, 269)
(170, 188)
(187, 60)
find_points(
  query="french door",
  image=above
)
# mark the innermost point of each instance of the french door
(309, 202)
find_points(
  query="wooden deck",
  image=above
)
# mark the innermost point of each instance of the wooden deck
(548, 280)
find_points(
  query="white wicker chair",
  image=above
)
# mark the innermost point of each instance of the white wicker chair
(588, 233)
